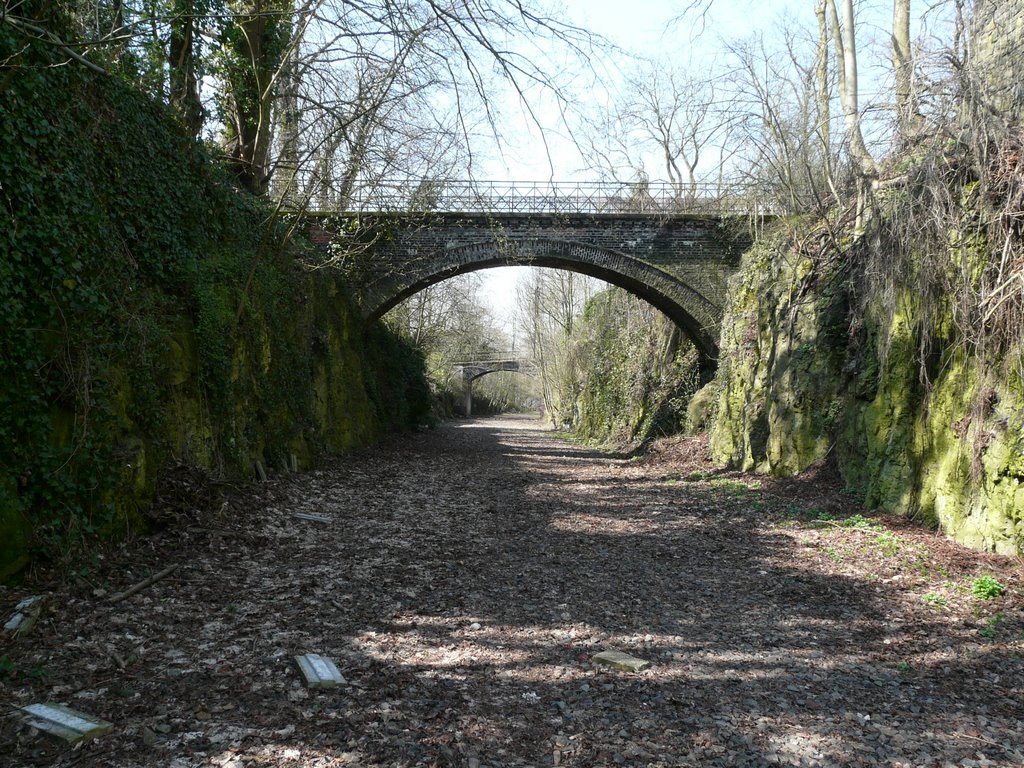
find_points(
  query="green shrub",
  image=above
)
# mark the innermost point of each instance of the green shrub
(986, 588)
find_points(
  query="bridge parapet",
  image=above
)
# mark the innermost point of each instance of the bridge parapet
(523, 197)
(474, 369)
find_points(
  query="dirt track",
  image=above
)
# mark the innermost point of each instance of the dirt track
(463, 581)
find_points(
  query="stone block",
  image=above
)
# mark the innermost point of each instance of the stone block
(64, 723)
(620, 660)
(25, 614)
(319, 671)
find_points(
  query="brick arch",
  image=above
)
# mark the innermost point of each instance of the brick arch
(695, 314)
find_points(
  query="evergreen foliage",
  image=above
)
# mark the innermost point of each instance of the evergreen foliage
(129, 258)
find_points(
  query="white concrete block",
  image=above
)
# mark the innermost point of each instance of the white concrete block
(319, 671)
(64, 723)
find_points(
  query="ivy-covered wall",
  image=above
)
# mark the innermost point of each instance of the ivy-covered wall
(637, 370)
(153, 315)
(815, 366)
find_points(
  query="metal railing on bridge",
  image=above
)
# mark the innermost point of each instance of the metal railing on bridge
(493, 358)
(524, 197)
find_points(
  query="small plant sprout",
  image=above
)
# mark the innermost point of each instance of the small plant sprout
(862, 523)
(986, 588)
(991, 625)
(888, 543)
(904, 667)
(937, 601)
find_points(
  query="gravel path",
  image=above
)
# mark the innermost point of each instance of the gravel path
(463, 579)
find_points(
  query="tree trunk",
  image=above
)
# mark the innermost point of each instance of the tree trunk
(184, 86)
(255, 45)
(908, 118)
(824, 97)
(287, 169)
(846, 53)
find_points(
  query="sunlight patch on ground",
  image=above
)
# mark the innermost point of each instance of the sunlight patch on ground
(608, 526)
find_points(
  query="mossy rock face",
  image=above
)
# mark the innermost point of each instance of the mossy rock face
(803, 375)
(173, 325)
(14, 534)
(181, 358)
(643, 377)
(780, 396)
(135, 487)
(741, 390)
(701, 408)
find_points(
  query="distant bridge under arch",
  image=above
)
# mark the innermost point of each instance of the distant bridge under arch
(674, 252)
(482, 365)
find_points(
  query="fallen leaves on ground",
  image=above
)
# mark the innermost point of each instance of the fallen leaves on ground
(463, 580)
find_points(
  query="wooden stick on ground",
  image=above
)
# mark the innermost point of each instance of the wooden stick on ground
(143, 584)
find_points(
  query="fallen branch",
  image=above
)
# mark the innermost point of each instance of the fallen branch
(143, 584)
(48, 36)
(984, 741)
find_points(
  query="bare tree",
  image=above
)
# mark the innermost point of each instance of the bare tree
(448, 323)
(781, 98)
(181, 65)
(845, 39)
(823, 82)
(676, 112)
(277, 65)
(549, 302)
(668, 119)
(908, 116)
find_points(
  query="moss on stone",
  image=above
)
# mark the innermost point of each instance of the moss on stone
(804, 375)
(14, 532)
(700, 410)
(200, 339)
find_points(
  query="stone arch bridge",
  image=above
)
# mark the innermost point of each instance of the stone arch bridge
(481, 365)
(674, 251)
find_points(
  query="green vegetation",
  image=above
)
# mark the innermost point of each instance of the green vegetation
(920, 420)
(642, 373)
(992, 624)
(153, 314)
(697, 476)
(888, 543)
(934, 600)
(862, 523)
(732, 487)
(834, 555)
(987, 588)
